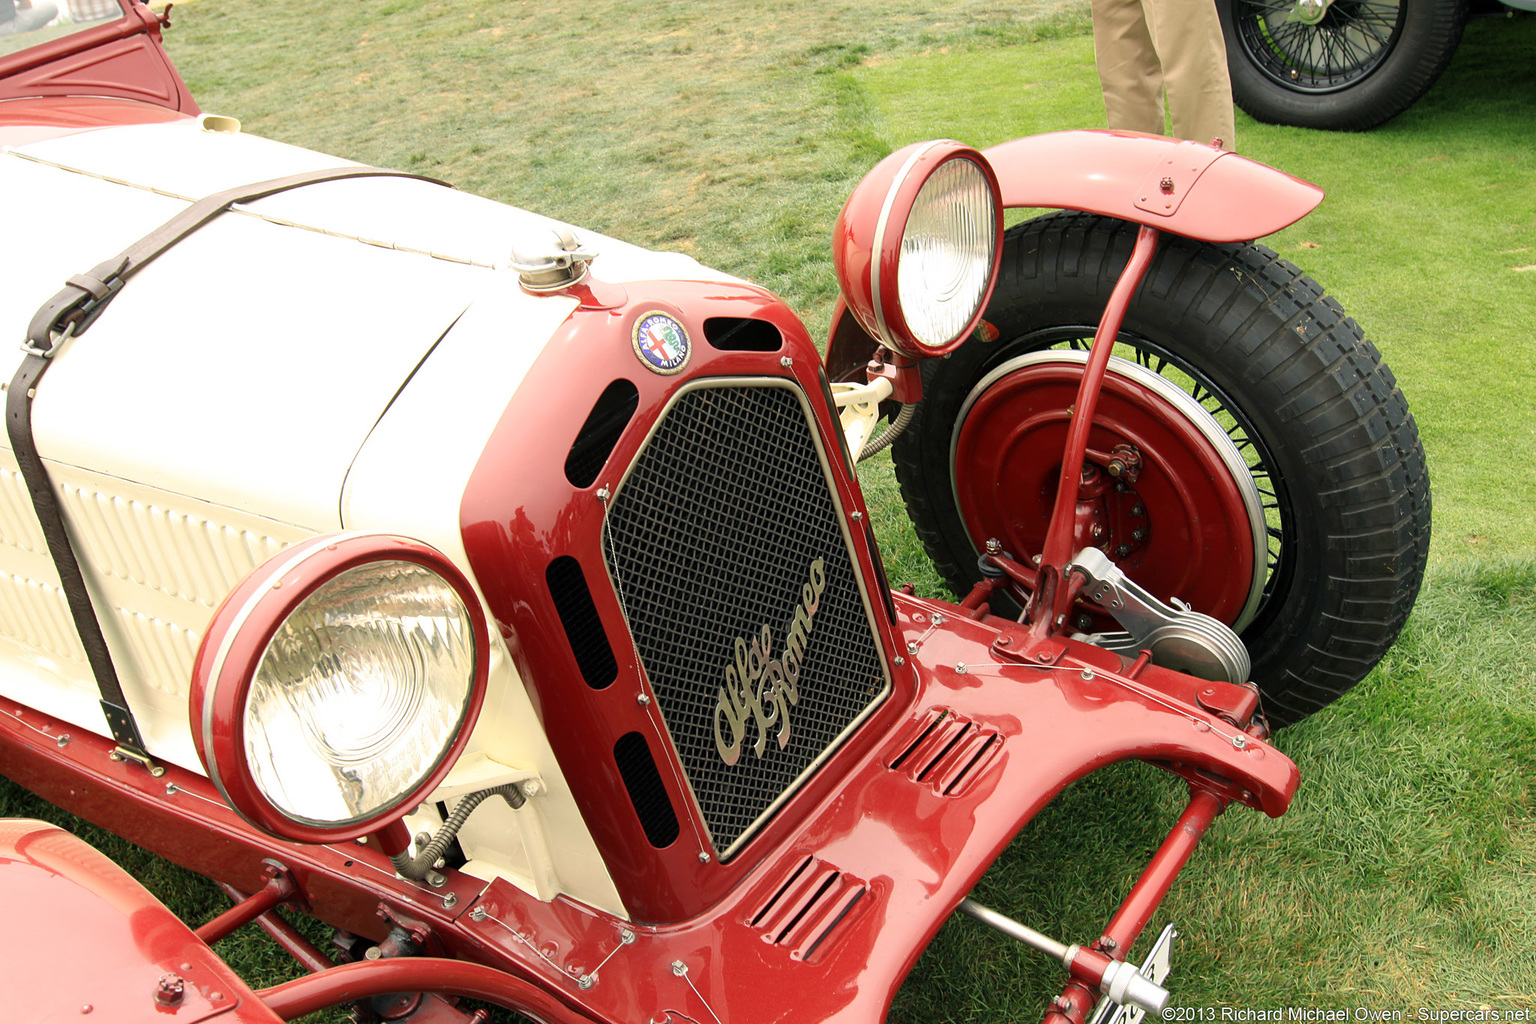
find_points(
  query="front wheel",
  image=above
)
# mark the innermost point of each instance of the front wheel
(1282, 486)
(1346, 65)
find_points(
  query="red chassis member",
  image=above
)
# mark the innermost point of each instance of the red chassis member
(695, 748)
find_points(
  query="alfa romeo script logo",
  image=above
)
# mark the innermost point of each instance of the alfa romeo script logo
(661, 343)
(761, 688)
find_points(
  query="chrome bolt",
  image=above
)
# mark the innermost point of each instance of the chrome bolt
(1138, 534)
(643, 699)
(374, 953)
(586, 981)
(627, 937)
(171, 789)
(602, 494)
(704, 858)
(994, 546)
(1035, 559)
(786, 362)
(912, 647)
(422, 839)
(478, 914)
(1239, 741)
(1087, 674)
(858, 516)
(900, 661)
(679, 968)
(450, 901)
(63, 739)
(436, 879)
(170, 990)
(960, 668)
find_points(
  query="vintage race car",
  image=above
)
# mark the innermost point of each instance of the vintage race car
(504, 595)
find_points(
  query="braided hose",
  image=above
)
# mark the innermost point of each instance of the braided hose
(888, 437)
(416, 868)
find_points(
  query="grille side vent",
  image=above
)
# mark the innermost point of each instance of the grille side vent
(808, 907)
(734, 334)
(643, 781)
(607, 420)
(583, 629)
(946, 752)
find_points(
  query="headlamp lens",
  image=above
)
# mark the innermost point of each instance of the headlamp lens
(945, 265)
(360, 691)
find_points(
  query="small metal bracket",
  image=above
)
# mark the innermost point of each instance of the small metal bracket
(1174, 177)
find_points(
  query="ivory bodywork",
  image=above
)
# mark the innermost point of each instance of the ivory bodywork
(200, 426)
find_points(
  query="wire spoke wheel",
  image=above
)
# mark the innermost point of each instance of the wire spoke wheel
(1351, 41)
(1346, 65)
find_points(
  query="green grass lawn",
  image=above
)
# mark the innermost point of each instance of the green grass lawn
(1405, 875)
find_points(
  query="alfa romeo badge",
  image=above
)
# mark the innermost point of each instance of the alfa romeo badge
(661, 343)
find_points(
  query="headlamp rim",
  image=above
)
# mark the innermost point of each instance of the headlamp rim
(869, 234)
(238, 637)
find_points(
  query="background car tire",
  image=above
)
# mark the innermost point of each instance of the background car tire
(1290, 376)
(1366, 61)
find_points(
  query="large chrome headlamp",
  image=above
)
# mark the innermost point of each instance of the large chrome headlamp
(916, 247)
(337, 684)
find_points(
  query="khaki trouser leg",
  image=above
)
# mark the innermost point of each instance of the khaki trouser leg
(1192, 67)
(1187, 35)
(1128, 67)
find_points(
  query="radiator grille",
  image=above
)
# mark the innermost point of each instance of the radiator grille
(713, 536)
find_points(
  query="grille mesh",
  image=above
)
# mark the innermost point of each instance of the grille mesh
(711, 538)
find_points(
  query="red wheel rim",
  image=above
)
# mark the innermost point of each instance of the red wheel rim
(1199, 514)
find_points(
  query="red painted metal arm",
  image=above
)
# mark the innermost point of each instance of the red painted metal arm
(301, 996)
(1060, 539)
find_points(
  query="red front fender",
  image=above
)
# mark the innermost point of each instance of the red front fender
(1185, 188)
